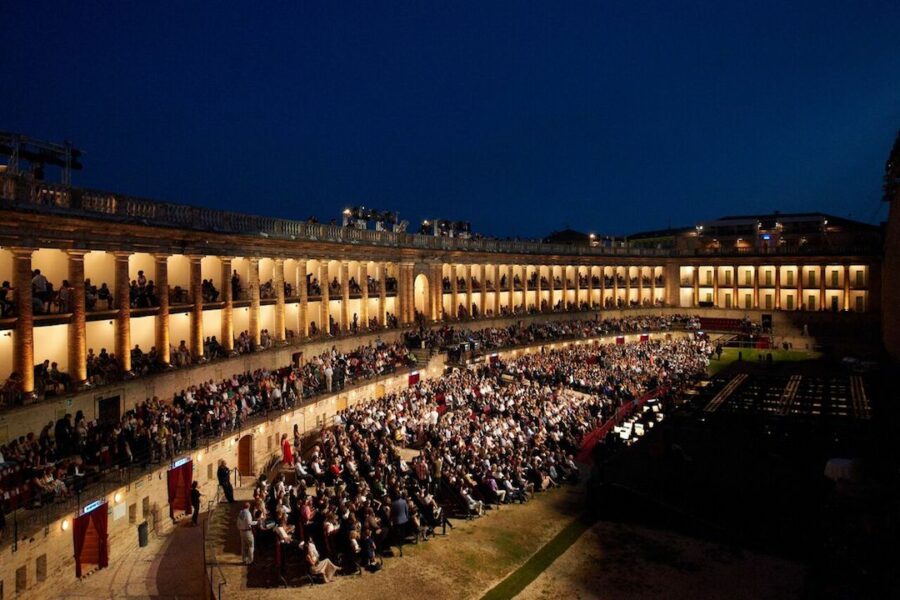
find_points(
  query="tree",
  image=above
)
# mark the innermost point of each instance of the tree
(892, 173)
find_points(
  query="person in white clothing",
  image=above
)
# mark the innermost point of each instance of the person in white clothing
(245, 524)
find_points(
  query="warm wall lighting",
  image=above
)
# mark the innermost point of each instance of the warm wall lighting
(118, 497)
(65, 525)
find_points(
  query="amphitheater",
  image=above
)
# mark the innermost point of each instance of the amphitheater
(725, 497)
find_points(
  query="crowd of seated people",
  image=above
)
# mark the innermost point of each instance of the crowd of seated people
(483, 441)
(156, 430)
(520, 333)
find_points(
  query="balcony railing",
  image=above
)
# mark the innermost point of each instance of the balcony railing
(22, 193)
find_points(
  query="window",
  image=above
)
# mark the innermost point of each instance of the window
(811, 303)
(768, 302)
(812, 279)
(727, 300)
(748, 300)
(727, 277)
(747, 278)
(834, 278)
(860, 304)
(768, 277)
(860, 279)
(790, 278)
(41, 567)
(790, 302)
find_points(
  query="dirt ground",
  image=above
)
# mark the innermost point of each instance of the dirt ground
(473, 557)
(618, 562)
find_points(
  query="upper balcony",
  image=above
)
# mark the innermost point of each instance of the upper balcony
(26, 194)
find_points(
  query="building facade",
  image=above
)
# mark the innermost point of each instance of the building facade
(219, 274)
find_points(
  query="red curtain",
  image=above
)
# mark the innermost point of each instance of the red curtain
(413, 379)
(99, 517)
(645, 337)
(179, 483)
(620, 340)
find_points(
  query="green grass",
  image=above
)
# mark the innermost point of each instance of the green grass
(730, 355)
(519, 579)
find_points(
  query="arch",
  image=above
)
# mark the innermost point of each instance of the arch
(422, 295)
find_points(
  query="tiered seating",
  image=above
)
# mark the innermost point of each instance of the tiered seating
(721, 324)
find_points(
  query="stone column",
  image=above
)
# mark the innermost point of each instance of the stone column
(602, 288)
(437, 292)
(302, 313)
(410, 293)
(777, 287)
(551, 280)
(197, 310)
(227, 340)
(736, 303)
(324, 321)
(565, 285)
(382, 292)
(800, 289)
(640, 286)
(345, 296)
(77, 329)
(253, 284)
(822, 305)
(123, 318)
(364, 301)
(696, 273)
(716, 286)
(161, 285)
(512, 290)
(590, 287)
(846, 302)
(401, 299)
(496, 278)
(278, 284)
(23, 343)
(538, 289)
(628, 286)
(469, 296)
(756, 286)
(454, 293)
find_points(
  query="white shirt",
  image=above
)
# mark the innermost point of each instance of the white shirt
(245, 520)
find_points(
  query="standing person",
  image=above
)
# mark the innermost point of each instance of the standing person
(195, 502)
(224, 476)
(245, 524)
(287, 457)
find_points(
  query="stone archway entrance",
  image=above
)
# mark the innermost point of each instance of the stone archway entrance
(422, 295)
(245, 455)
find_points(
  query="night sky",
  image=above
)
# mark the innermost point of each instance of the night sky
(521, 117)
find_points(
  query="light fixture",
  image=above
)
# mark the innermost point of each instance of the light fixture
(118, 497)
(65, 525)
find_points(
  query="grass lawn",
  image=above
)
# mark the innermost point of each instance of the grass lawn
(751, 355)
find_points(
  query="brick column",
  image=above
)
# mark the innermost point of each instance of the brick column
(382, 292)
(800, 288)
(227, 335)
(345, 296)
(454, 293)
(161, 285)
(551, 300)
(253, 284)
(197, 310)
(364, 302)
(123, 319)
(278, 283)
(23, 343)
(410, 293)
(77, 329)
(324, 321)
(302, 313)
(537, 286)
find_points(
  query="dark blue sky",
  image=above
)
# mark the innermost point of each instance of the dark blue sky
(519, 116)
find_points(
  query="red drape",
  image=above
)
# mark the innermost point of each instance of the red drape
(620, 340)
(413, 378)
(179, 483)
(99, 518)
(591, 439)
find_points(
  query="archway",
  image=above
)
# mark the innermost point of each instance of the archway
(422, 296)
